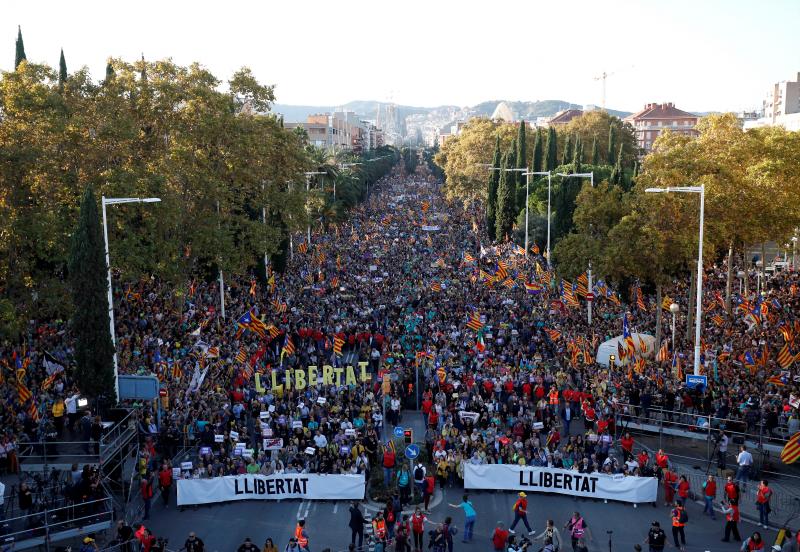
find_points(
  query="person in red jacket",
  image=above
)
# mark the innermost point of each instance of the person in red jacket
(430, 487)
(709, 494)
(626, 442)
(418, 528)
(683, 490)
(670, 480)
(732, 490)
(388, 466)
(521, 513)
(499, 537)
(165, 483)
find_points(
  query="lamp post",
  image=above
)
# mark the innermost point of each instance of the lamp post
(611, 359)
(699, 307)
(549, 176)
(527, 174)
(674, 308)
(740, 275)
(794, 251)
(579, 175)
(116, 201)
(309, 174)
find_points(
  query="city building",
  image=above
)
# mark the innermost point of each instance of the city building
(564, 116)
(340, 130)
(781, 107)
(656, 118)
(450, 131)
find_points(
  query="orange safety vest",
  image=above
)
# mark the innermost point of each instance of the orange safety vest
(554, 396)
(302, 541)
(379, 526)
(676, 518)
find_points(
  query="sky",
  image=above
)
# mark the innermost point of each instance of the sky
(703, 55)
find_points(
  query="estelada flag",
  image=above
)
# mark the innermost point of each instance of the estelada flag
(791, 452)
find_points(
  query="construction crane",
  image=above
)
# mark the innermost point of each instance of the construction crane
(603, 78)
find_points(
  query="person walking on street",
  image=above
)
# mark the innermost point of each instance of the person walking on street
(577, 528)
(418, 528)
(551, 532)
(146, 487)
(356, 524)
(762, 503)
(679, 519)
(670, 481)
(269, 546)
(744, 461)
(656, 538)
(430, 488)
(165, 483)
(499, 537)
(301, 535)
(247, 546)
(193, 544)
(521, 513)
(709, 494)
(379, 527)
(469, 517)
(419, 477)
(731, 511)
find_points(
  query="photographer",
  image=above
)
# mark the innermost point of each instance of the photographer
(551, 532)
(656, 538)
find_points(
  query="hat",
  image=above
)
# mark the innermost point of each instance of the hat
(87, 540)
(656, 524)
(523, 495)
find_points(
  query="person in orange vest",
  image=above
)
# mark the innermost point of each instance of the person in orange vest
(679, 519)
(301, 535)
(553, 396)
(379, 527)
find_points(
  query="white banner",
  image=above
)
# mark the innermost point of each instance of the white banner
(307, 486)
(554, 480)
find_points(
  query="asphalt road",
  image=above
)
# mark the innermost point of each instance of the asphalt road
(224, 527)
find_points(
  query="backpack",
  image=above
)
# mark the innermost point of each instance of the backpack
(403, 479)
(419, 473)
(683, 517)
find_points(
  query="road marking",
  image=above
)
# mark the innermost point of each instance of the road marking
(300, 508)
(335, 507)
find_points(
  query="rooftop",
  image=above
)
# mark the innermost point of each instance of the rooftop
(661, 111)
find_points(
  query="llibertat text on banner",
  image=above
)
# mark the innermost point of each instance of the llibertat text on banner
(555, 480)
(307, 486)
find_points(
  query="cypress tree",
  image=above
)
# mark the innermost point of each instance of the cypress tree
(94, 352)
(595, 152)
(20, 53)
(491, 196)
(512, 175)
(612, 146)
(522, 162)
(617, 173)
(506, 204)
(109, 73)
(62, 70)
(537, 152)
(566, 157)
(551, 159)
(577, 156)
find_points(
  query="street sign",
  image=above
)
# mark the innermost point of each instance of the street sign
(590, 296)
(398, 432)
(693, 381)
(412, 451)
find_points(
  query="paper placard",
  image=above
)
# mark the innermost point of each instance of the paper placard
(373, 268)
(263, 415)
(239, 446)
(311, 451)
(350, 432)
(176, 473)
(248, 453)
(538, 425)
(297, 424)
(219, 438)
(186, 465)
(464, 415)
(237, 452)
(271, 408)
(234, 435)
(272, 444)
(321, 400)
(266, 431)
(205, 450)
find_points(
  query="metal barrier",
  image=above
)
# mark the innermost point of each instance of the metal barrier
(41, 528)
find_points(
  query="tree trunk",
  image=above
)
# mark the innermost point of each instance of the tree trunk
(657, 344)
(763, 265)
(690, 309)
(729, 282)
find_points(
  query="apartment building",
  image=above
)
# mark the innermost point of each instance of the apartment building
(655, 118)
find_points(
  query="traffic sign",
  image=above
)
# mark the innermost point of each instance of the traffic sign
(412, 451)
(693, 381)
(398, 432)
(590, 296)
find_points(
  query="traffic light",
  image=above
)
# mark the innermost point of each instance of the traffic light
(408, 436)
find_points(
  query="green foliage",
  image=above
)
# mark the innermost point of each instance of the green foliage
(550, 160)
(506, 201)
(62, 70)
(410, 159)
(491, 200)
(537, 152)
(595, 152)
(94, 352)
(566, 157)
(611, 153)
(19, 56)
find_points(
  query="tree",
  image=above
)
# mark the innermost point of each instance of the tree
(110, 73)
(94, 351)
(611, 158)
(491, 195)
(577, 158)
(551, 159)
(595, 152)
(522, 162)
(537, 152)
(506, 204)
(62, 70)
(20, 50)
(566, 158)
(618, 174)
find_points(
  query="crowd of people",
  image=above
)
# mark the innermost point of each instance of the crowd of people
(486, 341)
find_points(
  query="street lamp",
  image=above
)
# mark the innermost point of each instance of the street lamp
(579, 175)
(794, 251)
(740, 275)
(527, 189)
(116, 201)
(699, 311)
(548, 213)
(674, 308)
(309, 174)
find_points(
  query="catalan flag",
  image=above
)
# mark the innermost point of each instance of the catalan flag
(717, 319)
(241, 356)
(338, 342)
(425, 206)
(747, 360)
(303, 247)
(252, 287)
(249, 321)
(509, 283)
(786, 332)
(474, 322)
(535, 249)
(50, 380)
(554, 335)
(273, 331)
(791, 450)
(785, 357)
(441, 374)
(676, 366)
(440, 263)
(776, 380)
(279, 306)
(568, 294)
(436, 287)
(468, 258)
(666, 302)
(640, 299)
(519, 250)
(334, 282)
(176, 372)
(502, 271)
(582, 287)
(288, 346)
(642, 345)
(663, 352)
